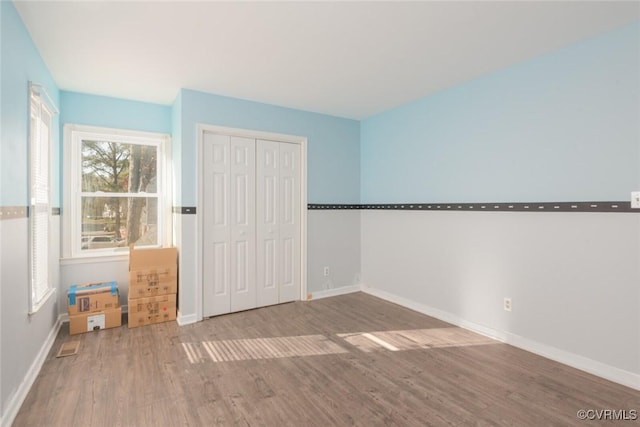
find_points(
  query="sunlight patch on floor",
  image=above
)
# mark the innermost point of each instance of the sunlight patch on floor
(317, 345)
(260, 348)
(414, 339)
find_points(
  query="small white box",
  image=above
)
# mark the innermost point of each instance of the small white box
(96, 322)
(88, 322)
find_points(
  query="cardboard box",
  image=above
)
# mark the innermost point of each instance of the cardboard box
(92, 297)
(87, 322)
(153, 272)
(146, 311)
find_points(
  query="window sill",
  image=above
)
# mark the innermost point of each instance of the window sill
(94, 259)
(34, 310)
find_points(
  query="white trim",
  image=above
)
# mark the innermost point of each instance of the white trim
(611, 373)
(343, 290)
(199, 298)
(15, 402)
(254, 134)
(73, 134)
(39, 89)
(67, 160)
(577, 361)
(36, 307)
(250, 133)
(121, 135)
(187, 320)
(303, 218)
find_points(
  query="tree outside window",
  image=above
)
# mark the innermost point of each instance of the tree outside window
(119, 202)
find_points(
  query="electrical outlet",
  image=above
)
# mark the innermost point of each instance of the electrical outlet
(325, 271)
(507, 304)
(635, 199)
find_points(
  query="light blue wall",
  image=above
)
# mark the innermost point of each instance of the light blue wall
(21, 336)
(95, 110)
(21, 63)
(561, 127)
(333, 168)
(176, 147)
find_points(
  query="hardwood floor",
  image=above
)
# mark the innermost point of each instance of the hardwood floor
(429, 373)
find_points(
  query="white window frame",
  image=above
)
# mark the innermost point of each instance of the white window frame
(73, 136)
(41, 113)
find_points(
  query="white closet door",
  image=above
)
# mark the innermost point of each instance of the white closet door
(267, 221)
(289, 221)
(217, 233)
(243, 224)
(229, 229)
(251, 223)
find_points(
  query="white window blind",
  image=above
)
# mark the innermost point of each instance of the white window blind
(40, 204)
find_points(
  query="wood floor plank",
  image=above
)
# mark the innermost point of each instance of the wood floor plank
(165, 375)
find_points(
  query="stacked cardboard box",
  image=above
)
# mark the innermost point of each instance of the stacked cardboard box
(153, 284)
(93, 306)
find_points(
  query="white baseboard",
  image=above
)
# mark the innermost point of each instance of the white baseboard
(591, 366)
(599, 369)
(15, 402)
(186, 319)
(193, 318)
(335, 292)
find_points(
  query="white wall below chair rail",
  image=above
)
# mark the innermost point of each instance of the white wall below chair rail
(333, 241)
(22, 358)
(573, 279)
(15, 401)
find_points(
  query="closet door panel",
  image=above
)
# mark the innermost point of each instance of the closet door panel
(216, 231)
(267, 227)
(242, 223)
(289, 221)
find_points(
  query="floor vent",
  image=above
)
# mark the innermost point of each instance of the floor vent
(68, 349)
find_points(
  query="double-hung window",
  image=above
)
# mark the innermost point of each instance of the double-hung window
(118, 191)
(40, 119)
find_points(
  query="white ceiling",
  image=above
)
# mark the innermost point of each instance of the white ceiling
(350, 59)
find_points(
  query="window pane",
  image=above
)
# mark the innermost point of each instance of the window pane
(111, 222)
(114, 167)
